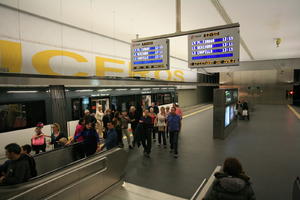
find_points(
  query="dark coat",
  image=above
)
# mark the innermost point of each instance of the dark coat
(142, 129)
(17, 171)
(55, 140)
(227, 187)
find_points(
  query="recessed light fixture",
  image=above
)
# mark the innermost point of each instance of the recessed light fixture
(21, 91)
(83, 90)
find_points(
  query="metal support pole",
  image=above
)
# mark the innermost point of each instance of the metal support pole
(178, 16)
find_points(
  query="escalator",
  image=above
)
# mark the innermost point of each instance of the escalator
(80, 179)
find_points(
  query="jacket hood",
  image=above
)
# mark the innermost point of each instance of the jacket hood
(232, 184)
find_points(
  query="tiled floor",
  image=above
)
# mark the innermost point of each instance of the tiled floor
(268, 147)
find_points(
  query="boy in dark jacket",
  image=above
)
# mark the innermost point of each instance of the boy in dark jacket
(231, 184)
(17, 170)
(26, 149)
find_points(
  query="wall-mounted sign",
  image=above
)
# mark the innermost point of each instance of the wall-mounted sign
(150, 55)
(214, 48)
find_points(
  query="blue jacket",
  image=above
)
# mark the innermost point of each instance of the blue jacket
(174, 122)
(111, 140)
(90, 136)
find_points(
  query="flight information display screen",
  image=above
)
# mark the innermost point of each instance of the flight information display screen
(214, 48)
(150, 55)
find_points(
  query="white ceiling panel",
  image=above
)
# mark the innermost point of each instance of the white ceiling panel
(77, 12)
(124, 19)
(46, 8)
(262, 21)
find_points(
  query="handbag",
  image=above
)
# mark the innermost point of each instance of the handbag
(38, 141)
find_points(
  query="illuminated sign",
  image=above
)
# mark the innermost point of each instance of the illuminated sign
(214, 48)
(150, 55)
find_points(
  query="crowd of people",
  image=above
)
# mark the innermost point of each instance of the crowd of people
(152, 125)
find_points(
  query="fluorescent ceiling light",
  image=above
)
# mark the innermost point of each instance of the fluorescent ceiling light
(155, 88)
(135, 89)
(121, 89)
(83, 90)
(146, 88)
(104, 90)
(20, 91)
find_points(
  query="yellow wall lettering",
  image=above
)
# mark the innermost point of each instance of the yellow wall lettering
(157, 76)
(179, 74)
(40, 61)
(101, 69)
(10, 56)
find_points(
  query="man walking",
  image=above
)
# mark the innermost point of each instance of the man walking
(174, 124)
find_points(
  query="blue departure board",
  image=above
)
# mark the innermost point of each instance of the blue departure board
(150, 55)
(214, 48)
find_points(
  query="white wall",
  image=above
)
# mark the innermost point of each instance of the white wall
(21, 137)
(78, 50)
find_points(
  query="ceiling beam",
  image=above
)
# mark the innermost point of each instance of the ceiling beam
(228, 20)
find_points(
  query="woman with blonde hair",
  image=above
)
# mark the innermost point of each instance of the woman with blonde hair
(56, 135)
(161, 124)
(99, 116)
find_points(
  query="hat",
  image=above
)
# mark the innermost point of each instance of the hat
(40, 125)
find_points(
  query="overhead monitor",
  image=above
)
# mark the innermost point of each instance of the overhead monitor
(150, 55)
(214, 48)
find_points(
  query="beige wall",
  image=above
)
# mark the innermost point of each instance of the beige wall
(187, 97)
(260, 86)
(191, 97)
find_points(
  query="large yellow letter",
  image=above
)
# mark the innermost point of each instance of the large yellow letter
(156, 75)
(10, 56)
(132, 73)
(179, 74)
(101, 69)
(40, 61)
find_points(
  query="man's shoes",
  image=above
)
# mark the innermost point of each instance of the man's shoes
(175, 155)
(130, 147)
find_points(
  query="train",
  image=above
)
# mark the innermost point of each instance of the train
(23, 107)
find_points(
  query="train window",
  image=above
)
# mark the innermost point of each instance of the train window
(16, 116)
(167, 98)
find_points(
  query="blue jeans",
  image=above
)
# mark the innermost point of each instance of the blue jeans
(174, 141)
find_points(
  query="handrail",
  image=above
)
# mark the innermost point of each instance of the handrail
(78, 182)
(198, 190)
(207, 186)
(60, 176)
(29, 185)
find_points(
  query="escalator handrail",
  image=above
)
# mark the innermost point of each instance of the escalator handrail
(32, 183)
(77, 183)
(64, 174)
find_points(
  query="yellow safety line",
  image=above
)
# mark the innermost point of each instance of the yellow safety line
(198, 111)
(294, 111)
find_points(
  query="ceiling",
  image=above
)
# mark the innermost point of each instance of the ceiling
(260, 22)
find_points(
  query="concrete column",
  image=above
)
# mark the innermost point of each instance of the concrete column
(58, 107)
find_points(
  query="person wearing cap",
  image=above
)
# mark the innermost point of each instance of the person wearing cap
(38, 139)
